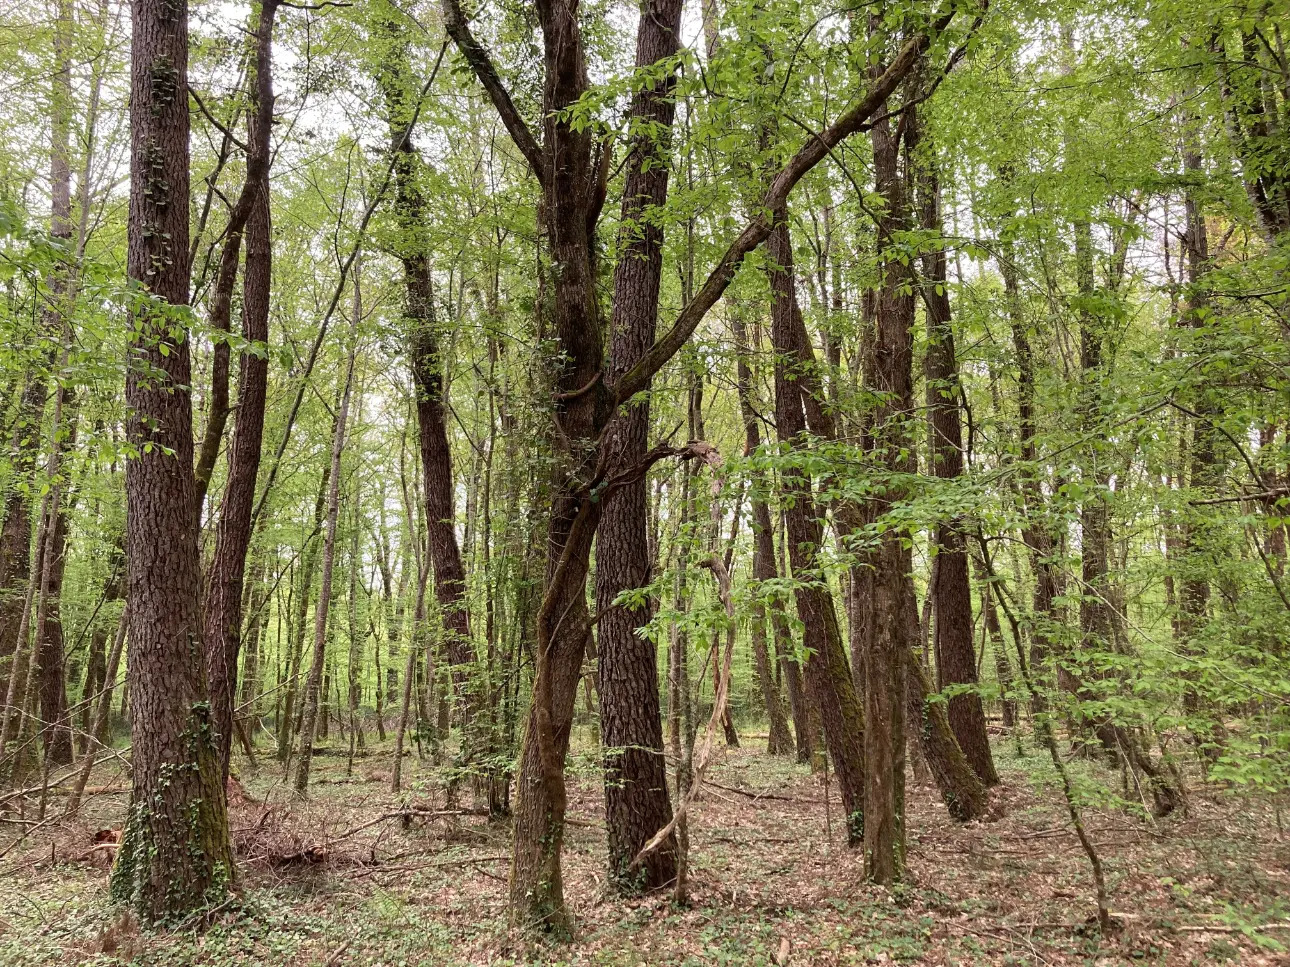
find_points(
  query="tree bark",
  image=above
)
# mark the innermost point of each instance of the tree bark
(636, 800)
(952, 593)
(426, 363)
(224, 584)
(573, 192)
(891, 379)
(175, 855)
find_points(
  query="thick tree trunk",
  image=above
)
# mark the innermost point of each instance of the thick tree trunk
(573, 192)
(929, 725)
(224, 584)
(174, 855)
(636, 800)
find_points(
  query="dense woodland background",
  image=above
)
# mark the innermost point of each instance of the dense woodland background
(525, 405)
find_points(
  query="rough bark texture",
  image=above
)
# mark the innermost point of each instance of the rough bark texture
(960, 787)
(636, 800)
(573, 192)
(224, 582)
(952, 594)
(55, 731)
(828, 675)
(174, 854)
(890, 377)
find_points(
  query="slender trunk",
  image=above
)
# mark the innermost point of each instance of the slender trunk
(103, 709)
(309, 723)
(224, 584)
(780, 741)
(828, 674)
(1038, 540)
(410, 674)
(296, 628)
(952, 594)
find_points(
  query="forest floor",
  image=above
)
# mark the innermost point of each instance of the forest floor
(345, 880)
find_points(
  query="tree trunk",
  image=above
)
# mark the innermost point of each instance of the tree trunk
(426, 364)
(316, 685)
(891, 378)
(828, 675)
(780, 741)
(224, 585)
(636, 800)
(175, 855)
(1035, 533)
(952, 594)
(296, 629)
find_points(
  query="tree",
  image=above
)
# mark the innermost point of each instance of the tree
(174, 855)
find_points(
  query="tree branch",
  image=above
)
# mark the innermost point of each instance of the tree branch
(758, 230)
(454, 22)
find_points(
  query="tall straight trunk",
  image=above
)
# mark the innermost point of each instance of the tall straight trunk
(224, 583)
(309, 722)
(890, 377)
(636, 800)
(296, 624)
(1002, 664)
(175, 855)
(354, 667)
(96, 672)
(952, 593)
(780, 741)
(427, 363)
(56, 732)
(1094, 515)
(15, 533)
(1204, 470)
(1038, 540)
(18, 711)
(410, 671)
(102, 711)
(253, 656)
(828, 674)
